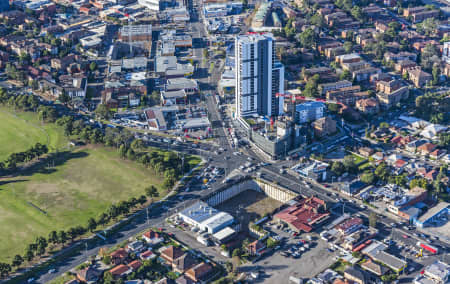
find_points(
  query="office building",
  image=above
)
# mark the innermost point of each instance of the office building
(150, 4)
(259, 76)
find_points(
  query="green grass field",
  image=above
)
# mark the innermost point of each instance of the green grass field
(64, 191)
(83, 184)
(21, 130)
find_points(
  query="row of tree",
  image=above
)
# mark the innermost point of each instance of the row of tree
(11, 162)
(167, 164)
(41, 244)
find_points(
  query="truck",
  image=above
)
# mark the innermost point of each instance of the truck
(427, 247)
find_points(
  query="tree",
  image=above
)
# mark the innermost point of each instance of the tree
(373, 219)
(368, 177)
(102, 111)
(271, 243)
(311, 87)
(151, 192)
(346, 75)
(429, 56)
(428, 26)
(29, 254)
(5, 268)
(436, 73)
(418, 182)
(382, 172)
(338, 168)
(349, 163)
(308, 38)
(64, 98)
(236, 252)
(42, 244)
(53, 237)
(62, 237)
(348, 46)
(17, 261)
(91, 224)
(357, 13)
(318, 20)
(93, 66)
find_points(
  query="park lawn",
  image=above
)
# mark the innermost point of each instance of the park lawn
(82, 184)
(21, 130)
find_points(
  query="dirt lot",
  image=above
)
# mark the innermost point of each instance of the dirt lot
(249, 205)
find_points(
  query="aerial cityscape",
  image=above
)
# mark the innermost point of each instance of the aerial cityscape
(213, 141)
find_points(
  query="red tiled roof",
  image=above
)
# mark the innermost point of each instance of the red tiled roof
(146, 254)
(152, 235)
(399, 163)
(119, 270)
(135, 264)
(120, 253)
(304, 214)
(172, 253)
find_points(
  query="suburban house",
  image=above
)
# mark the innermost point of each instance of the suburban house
(171, 253)
(200, 272)
(88, 274)
(152, 238)
(118, 256)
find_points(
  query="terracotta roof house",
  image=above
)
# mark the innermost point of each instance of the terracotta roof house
(147, 255)
(426, 149)
(256, 247)
(374, 267)
(120, 271)
(89, 274)
(431, 175)
(152, 238)
(134, 265)
(437, 154)
(118, 256)
(171, 253)
(183, 263)
(200, 272)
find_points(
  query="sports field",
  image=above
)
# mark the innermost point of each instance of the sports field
(82, 184)
(20, 130)
(64, 191)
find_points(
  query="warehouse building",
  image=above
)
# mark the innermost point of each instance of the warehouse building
(206, 218)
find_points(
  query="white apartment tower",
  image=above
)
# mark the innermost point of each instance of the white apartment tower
(259, 76)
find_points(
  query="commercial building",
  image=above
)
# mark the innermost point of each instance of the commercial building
(309, 111)
(153, 5)
(438, 271)
(131, 33)
(259, 76)
(205, 217)
(434, 215)
(304, 215)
